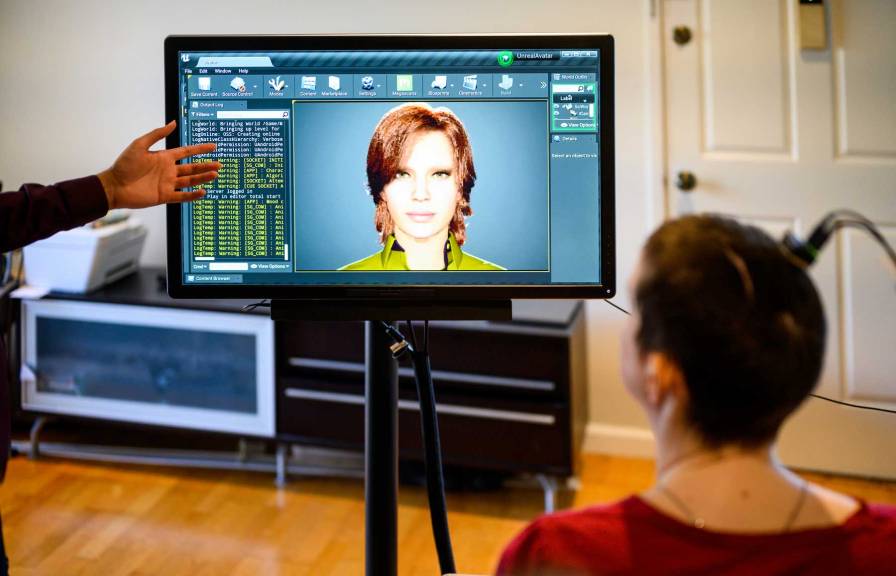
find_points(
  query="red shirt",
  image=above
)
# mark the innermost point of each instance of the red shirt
(632, 537)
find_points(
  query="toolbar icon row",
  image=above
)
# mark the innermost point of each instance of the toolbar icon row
(366, 85)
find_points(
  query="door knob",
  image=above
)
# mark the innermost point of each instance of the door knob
(686, 181)
(682, 35)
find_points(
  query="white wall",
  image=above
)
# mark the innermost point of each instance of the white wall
(79, 80)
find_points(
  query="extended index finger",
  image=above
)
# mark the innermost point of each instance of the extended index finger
(187, 151)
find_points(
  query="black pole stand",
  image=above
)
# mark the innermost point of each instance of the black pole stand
(381, 401)
(380, 453)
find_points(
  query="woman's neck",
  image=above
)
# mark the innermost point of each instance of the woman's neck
(686, 451)
(423, 253)
(736, 489)
(733, 488)
(679, 446)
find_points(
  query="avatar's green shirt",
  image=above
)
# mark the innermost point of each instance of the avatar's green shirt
(389, 259)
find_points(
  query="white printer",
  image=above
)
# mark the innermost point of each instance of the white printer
(86, 258)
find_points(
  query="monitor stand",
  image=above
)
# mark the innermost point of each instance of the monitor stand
(381, 401)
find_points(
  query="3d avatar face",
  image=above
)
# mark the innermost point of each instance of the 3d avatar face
(422, 197)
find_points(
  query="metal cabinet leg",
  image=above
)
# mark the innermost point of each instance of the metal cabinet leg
(549, 485)
(36, 428)
(281, 465)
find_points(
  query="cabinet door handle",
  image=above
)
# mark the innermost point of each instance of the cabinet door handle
(453, 409)
(437, 375)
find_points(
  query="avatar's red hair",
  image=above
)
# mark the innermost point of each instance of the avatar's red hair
(387, 146)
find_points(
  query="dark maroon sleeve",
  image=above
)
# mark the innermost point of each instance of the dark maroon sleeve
(35, 212)
(32, 213)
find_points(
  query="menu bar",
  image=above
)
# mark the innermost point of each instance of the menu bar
(374, 86)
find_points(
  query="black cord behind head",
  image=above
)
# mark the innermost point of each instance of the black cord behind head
(806, 252)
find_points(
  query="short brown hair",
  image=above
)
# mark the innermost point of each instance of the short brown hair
(744, 324)
(387, 146)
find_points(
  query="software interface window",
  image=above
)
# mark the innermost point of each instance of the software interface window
(303, 136)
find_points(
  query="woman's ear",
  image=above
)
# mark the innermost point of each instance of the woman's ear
(653, 389)
(662, 377)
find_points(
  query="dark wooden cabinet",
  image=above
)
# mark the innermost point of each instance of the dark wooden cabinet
(511, 396)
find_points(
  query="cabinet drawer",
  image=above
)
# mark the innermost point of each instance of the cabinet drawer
(488, 363)
(445, 381)
(502, 435)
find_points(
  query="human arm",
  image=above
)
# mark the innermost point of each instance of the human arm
(35, 212)
(138, 178)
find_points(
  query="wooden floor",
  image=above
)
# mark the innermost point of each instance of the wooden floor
(65, 517)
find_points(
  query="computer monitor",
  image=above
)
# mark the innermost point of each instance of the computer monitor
(395, 167)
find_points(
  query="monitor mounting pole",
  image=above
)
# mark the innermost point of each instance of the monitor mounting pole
(380, 453)
(381, 400)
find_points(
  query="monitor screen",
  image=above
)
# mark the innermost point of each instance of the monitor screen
(473, 166)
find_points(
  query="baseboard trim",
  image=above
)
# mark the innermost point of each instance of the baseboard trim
(619, 440)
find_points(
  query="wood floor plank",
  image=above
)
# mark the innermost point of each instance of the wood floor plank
(69, 518)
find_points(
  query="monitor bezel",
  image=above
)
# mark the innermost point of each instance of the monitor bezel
(177, 288)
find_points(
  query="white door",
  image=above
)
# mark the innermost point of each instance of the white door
(777, 136)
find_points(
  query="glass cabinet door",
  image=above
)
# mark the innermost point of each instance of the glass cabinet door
(188, 368)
